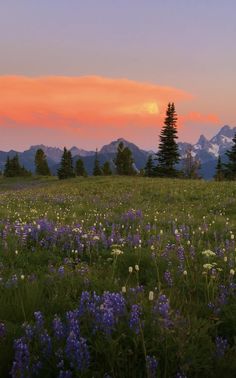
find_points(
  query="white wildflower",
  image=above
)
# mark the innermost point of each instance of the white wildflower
(208, 266)
(208, 253)
(151, 296)
(116, 252)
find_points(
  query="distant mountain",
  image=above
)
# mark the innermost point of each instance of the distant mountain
(207, 151)
(108, 152)
(80, 152)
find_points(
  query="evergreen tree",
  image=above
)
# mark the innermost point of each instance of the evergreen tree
(106, 169)
(41, 164)
(191, 165)
(14, 169)
(80, 169)
(124, 160)
(119, 160)
(168, 154)
(7, 167)
(149, 167)
(230, 167)
(24, 172)
(219, 175)
(96, 168)
(66, 167)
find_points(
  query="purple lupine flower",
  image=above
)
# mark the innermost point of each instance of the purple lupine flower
(180, 254)
(20, 367)
(65, 374)
(77, 352)
(136, 290)
(162, 308)
(134, 321)
(168, 278)
(46, 342)
(58, 327)
(39, 319)
(112, 307)
(152, 364)
(61, 270)
(223, 295)
(221, 346)
(73, 323)
(84, 299)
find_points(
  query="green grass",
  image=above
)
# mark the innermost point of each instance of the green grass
(175, 214)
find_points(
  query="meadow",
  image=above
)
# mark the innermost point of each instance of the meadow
(117, 277)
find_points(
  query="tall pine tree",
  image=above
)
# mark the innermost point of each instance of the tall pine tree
(96, 168)
(149, 167)
(124, 160)
(230, 167)
(66, 167)
(41, 164)
(80, 169)
(168, 154)
(106, 169)
(14, 169)
(219, 174)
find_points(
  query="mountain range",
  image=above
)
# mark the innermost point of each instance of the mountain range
(207, 151)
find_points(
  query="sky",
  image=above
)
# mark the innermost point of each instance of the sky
(86, 72)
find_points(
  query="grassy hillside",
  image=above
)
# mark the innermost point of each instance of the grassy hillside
(117, 277)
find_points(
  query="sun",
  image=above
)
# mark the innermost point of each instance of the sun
(141, 109)
(151, 108)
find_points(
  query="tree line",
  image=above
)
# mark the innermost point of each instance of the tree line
(165, 162)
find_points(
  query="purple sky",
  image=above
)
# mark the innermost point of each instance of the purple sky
(187, 45)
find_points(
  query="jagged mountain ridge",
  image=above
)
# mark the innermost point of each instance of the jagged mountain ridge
(207, 151)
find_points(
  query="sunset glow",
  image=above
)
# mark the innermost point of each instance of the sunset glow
(91, 105)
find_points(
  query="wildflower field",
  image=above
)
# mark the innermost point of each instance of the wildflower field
(117, 277)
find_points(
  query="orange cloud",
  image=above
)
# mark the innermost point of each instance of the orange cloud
(90, 110)
(200, 118)
(76, 102)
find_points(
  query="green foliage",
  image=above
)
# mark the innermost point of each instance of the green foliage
(168, 154)
(124, 161)
(220, 172)
(230, 167)
(96, 168)
(149, 167)
(14, 169)
(41, 164)
(106, 169)
(80, 168)
(66, 169)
